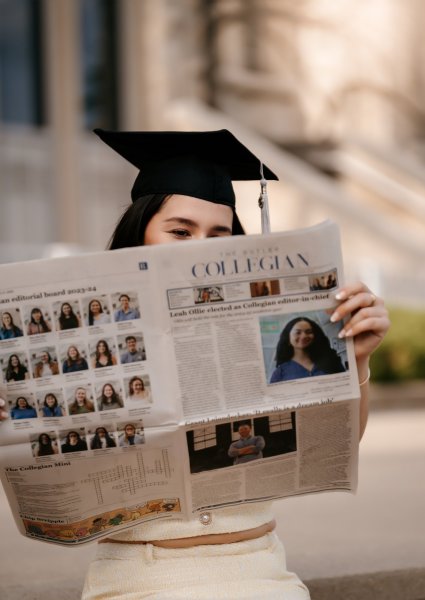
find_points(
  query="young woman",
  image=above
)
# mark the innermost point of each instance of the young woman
(103, 356)
(46, 446)
(8, 329)
(109, 399)
(137, 390)
(23, 409)
(67, 318)
(74, 361)
(74, 443)
(304, 351)
(46, 366)
(81, 404)
(96, 315)
(15, 370)
(37, 323)
(51, 406)
(102, 439)
(182, 194)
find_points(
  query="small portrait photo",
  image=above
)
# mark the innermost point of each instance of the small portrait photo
(240, 442)
(22, 407)
(102, 437)
(73, 440)
(125, 306)
(44, 362)
(103, 353)
(73, 357)
(37, 319)
(131, 433)
(51, 403)
(109, 396)
(80, 400)
(14, 367)
(131, 348)
(300, 345)
(324, 281)
(67, 315)
(10, 324)
(212, 293)
(96, 310)
(44, 444)
(271, 287)
(138, 388)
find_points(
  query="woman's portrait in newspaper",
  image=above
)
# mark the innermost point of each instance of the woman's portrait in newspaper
(50, 404)
(67, 315)
(81, 401)
(14, 367)
(301, 345)
(97, 311)
(73, 440)
(44, 444)
(10, 324)
(102, 438)
(38, 320)
(23, 407)
(74, 358)
(103, 353)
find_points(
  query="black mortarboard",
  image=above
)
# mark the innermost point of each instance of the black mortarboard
(191, 163)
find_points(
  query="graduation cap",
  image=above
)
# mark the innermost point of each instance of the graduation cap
(191, 163)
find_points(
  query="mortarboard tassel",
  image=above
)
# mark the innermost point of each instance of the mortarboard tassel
(263, 203)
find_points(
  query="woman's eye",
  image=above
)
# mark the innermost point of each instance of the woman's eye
(180, 233)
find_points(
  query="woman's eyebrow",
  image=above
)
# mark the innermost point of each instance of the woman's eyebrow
(191, 223)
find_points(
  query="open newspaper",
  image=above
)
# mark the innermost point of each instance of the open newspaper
(150, 383)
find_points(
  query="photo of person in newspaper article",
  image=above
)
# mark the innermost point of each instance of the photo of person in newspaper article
(242, 441)
(300, 345)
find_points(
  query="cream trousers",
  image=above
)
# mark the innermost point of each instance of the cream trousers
(250, 570)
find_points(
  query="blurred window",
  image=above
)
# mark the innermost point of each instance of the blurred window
(99, 63)
(20, 62)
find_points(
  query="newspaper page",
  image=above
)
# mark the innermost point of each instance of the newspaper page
(143, 383)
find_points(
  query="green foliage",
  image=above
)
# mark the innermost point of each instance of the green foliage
(401, 355)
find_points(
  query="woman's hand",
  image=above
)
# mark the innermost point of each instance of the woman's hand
(368, 320)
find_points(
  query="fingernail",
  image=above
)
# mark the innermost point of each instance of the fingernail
(334, 317)
(341, 334)
(340, 296)
(349, 333)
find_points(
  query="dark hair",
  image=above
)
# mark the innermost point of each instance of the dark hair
(96, 443)
(75, 433)
(115, 397)
(130, 384)
(10, 373)
(45, 449)
(28, 405)
(16, 331)
(90, 312)
(70, 322)
(131, 227)
(320, 351)
(43, 323)
(124, 296)
(130, 337)
(50, 408)
(108, 353)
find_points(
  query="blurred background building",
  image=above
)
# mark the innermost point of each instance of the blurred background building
(329, 94)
